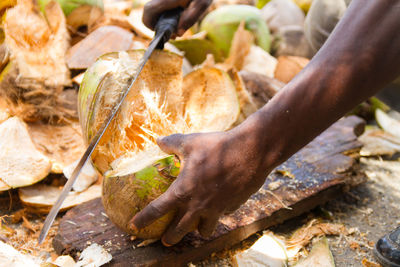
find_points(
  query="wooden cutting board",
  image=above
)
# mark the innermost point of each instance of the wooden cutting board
(311, 177)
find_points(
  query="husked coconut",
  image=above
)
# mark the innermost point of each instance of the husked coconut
(161, 103)
(21, 164)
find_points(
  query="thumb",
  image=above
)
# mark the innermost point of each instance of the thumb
(172, 144)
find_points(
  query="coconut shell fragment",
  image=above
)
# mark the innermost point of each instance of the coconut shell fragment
(62, 144)
(261, 87)
(103, 40)
(78, 12)
(21, 164)
(288, 67)
(202, 114)
(40, 198)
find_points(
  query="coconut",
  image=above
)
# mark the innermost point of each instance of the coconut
(222, 23)
(78, 12)
(280, 13)
(161, 103)
(197, 49)
(36, 73)
(21, 164)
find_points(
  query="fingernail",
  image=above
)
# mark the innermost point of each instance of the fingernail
(133, 227)
(165, 244)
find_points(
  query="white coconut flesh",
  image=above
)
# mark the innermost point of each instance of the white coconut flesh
(160, 103)
(21, 164)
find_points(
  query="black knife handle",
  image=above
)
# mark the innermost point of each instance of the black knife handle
(167, 24)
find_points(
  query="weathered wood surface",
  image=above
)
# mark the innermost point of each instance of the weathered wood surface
(320, 171)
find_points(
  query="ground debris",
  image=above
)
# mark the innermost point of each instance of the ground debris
(366, 263)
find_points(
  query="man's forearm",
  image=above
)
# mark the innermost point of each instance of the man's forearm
(359, 58)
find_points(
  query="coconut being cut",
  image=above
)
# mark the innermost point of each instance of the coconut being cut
(160, 103)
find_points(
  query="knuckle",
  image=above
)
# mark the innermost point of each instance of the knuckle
(149, 6)
(182, 195)
(181, 231)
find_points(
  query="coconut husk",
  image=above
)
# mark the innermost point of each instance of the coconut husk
(246, 102)
(288, 67)
(115, 13)
(4, 4)
(40, 198)
(291, 41)
(4, 56)
(9, 256)
(198, 87)
(78, 13)
(62, 144)
(36, 74)
(85, 15)
(386, 122)
(87, 176)
(4, 111)
(135, 20)
(261, 87)
(377, 142)
(240, 47)
(268, 250)
(103, 40)
(21, 164)
(260, 61)
(320, 255)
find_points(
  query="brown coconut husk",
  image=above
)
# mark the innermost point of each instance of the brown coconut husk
(62, 144)
(37, 73)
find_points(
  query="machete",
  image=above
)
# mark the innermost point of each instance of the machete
(165, 27)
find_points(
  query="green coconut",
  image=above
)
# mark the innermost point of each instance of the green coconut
(222, 23)
(196, 50)
(161, 103)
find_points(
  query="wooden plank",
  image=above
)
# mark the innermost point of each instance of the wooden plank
(320, 170)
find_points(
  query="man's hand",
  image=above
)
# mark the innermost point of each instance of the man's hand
(220, 171)
(193, 9)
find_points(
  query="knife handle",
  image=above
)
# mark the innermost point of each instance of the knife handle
(167, 24)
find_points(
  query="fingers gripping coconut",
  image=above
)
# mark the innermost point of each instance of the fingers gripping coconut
(193, 9)
(215, 179)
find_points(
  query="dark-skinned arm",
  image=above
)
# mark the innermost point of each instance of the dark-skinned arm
(220, 171)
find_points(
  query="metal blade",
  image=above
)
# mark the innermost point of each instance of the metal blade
(95, 140)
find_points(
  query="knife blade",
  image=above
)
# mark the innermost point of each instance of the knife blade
(165, 27)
